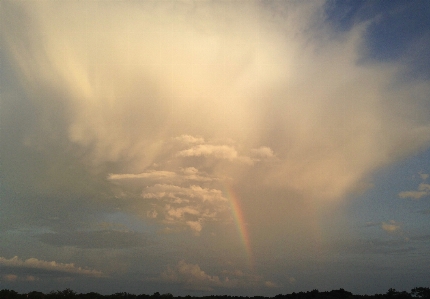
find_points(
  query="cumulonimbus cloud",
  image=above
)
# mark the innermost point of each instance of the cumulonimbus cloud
(236, 85)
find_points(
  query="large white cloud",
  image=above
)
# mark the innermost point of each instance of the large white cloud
(130, 77)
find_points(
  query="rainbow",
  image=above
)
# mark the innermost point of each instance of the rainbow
(240, 222)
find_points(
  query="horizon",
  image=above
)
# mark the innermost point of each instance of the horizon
(417, 292)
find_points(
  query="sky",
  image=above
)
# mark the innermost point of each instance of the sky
(214, 147)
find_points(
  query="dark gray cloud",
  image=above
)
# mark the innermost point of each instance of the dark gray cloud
(399, 245)
(95, 239)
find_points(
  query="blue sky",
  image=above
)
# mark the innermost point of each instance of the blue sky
(213, 147)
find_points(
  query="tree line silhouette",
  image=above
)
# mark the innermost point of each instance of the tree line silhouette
(419, 292)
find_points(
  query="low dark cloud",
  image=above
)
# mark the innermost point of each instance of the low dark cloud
(94, 239)
(375, 246)
(424, 238)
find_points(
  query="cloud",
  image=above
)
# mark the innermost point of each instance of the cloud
(292, 280)
(167, 109)
(33, 263)
(176, 192)
(424, 176)
(14, 278)
(270, 284)
(372, 224)
(153, 174)
(375, 246)
(192, 174)
(185, 206)
(192, 277)
(30, 278)
(188, 139)
(10, 277)
(423, 191)
(179, 213)
(186, 174)
(196, 226)
(94, 239)
(217, 151)
(263, 152)
(390, 227)
(421, 238)
(266, 83)
(182, 196)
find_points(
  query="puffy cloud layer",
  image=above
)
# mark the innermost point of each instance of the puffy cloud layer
(177, 192)
(191, 205)
(192, 277)
(33, 263)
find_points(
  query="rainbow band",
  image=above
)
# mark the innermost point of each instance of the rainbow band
(240, 222)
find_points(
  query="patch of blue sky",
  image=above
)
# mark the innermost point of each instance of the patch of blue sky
(399, 30)
(382, 203)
